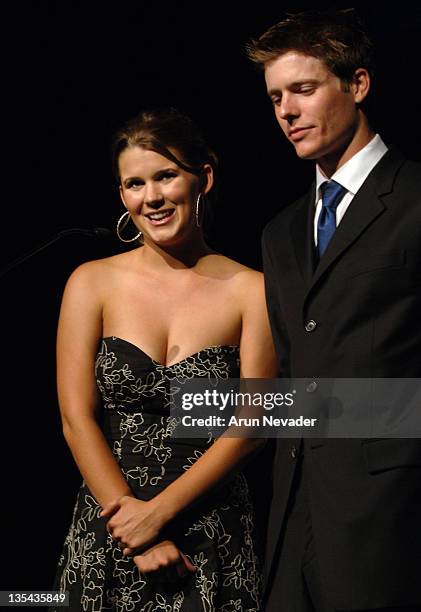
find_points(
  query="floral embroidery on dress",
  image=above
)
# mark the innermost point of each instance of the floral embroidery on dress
(218, 537)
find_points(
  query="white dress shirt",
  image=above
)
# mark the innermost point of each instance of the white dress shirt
(351, 176)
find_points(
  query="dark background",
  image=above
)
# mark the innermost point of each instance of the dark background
(73, 72)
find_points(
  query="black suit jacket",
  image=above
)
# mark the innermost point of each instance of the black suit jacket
(365, 298)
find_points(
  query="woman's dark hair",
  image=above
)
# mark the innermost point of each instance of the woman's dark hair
(163, 129)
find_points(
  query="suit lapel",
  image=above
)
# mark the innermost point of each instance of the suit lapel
(364, 209)
(302, 234)
(362, 212)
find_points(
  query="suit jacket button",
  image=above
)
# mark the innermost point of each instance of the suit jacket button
(310, 325)
(311, 387)
(293, 452)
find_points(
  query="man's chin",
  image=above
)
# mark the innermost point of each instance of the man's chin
(306, 153)
(305, 150)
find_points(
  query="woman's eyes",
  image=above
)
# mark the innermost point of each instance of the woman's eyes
(137, 183)
(166, 175)
(133, 183)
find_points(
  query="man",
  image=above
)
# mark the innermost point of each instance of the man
(342, 268)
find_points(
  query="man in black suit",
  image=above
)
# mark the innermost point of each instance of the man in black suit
(343, 278)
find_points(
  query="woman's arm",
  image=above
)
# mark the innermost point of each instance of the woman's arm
(164, 556)
(136, 524)
(79, 331)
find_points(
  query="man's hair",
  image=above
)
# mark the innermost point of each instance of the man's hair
(338, 38)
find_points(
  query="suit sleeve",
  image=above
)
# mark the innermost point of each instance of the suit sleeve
(277, 323)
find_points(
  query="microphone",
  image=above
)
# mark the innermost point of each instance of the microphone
(99, 233)
(102, 233)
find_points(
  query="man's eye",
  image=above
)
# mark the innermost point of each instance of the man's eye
(306, 90)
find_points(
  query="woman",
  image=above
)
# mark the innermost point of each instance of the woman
(160, 523)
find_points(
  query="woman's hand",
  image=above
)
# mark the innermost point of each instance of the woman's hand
(134, 523)
(165, 561)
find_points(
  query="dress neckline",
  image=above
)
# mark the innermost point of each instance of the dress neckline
(171, 365)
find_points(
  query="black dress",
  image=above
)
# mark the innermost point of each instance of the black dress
(217, 534)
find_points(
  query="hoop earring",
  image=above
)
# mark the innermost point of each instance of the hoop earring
(125, 222)
(198, 224)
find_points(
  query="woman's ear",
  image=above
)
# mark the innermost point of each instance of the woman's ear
(360, 85)
(120, 189)
(207, 178)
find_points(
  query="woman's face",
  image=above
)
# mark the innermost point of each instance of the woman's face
(159, 195)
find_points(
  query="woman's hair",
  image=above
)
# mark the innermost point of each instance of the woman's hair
(338, 38)
(163, 129)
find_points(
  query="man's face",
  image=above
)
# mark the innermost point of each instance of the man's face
(317, 115)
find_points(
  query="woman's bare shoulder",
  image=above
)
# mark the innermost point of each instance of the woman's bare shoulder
(242, 276)
(99, 272)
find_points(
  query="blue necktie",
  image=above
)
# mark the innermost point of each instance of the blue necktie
(332, 194)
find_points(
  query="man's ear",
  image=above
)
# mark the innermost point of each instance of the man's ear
(360, 85)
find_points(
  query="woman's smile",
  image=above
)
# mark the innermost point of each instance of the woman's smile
(160, 217)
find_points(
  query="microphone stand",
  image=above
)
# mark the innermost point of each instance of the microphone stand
(96, 232)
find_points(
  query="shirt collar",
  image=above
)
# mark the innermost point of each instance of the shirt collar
(354, 172)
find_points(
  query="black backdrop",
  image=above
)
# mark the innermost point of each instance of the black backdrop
(73, 72)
